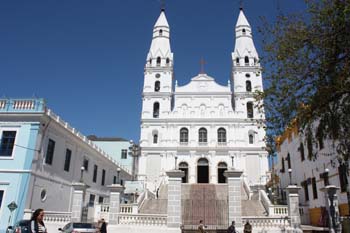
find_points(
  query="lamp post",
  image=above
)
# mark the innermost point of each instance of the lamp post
(175, 162)
(82, 169)
(290, 176)
(232, 160)
(326, 177)
(134, 152)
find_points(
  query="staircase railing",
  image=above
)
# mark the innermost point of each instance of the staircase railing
(247, 189)
(271, 209)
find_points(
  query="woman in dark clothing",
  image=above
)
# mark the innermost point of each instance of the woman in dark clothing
(103, 228)
(37, 222)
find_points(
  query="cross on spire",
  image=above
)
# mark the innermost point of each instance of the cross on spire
(202, 62)
(241, 4)
(162, 5)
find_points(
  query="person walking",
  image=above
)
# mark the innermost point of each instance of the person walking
(37, 222)
(103, 228)
(232, 228)
(201, 227)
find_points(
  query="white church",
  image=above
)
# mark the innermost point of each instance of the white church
(202, 128)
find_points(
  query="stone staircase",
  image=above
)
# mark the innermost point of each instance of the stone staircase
(208, 202)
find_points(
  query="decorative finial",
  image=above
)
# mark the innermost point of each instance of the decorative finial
(202, 62)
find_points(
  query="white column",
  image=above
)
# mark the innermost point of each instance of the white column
(293, 207)
(234, 180)
(114, 203)
(78, 201)
(174, 198)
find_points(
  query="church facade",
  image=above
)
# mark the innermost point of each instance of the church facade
(202, 128)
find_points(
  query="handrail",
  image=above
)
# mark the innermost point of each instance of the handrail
(247, 189)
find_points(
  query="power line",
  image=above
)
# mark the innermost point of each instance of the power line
(24, 147)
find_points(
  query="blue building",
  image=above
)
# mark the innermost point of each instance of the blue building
(42, 156)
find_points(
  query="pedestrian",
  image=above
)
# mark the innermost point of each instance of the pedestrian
(247, 227)
(201, 227)
(37, 222)
(103, 228)
(232, 228)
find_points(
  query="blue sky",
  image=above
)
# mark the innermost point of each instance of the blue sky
(86, 57)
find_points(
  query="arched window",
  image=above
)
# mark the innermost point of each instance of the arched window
(250, 112)
(167, 61)
(243, 31)
(202, 135)
(158, 61)
(150, 61)
(222, 167)
(156, 86)
(247, 75)
(155, 138)
(156, 110)
(160, 32)
(248, 86)
(246, 60)
(221, 135)
(183, 135)
(251, 138)
(183, 166)
(237, 60)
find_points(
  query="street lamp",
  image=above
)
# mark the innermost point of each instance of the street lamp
(175, 162)
(118, 175)
(290, 176)
(134, 152)
(326, 177)
(82, 169)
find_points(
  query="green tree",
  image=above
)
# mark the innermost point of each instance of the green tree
(308, 80)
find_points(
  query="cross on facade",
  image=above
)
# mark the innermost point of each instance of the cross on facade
(202, 62)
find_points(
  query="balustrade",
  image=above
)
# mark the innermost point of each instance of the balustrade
(266, 222)
(143, 219)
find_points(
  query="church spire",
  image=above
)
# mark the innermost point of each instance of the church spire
(244, 46)
(160, 52)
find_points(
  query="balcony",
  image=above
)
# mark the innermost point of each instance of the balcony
(22, 105)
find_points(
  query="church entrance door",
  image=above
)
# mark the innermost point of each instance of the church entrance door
(203, 171)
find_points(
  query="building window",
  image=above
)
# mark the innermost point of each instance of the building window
(289, 161)
(155, 138)
(158, 61)
(184, 135)
(100, 200)
(86, 164)
(94, 177)
(250, 113)
(160, 32)
(167, 61)
(247, 75)
(67, 160)
(156, 110)
(283, 169)
(243, 31)
(246, 60)
(1, 197)
(50, 151)
(7, 143)
(114, 179)
(314, 187)
(237, 60)
(91, 200)
(183, 166)
(306, 190)
(156, 86)
(251, 138)
(221, 135)
(124, 153)
(301, 150)
(248, 86)
(103, 177)
(202, 135)
(343, 177)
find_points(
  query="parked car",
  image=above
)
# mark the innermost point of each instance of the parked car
(22, 226)
(78, 227)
